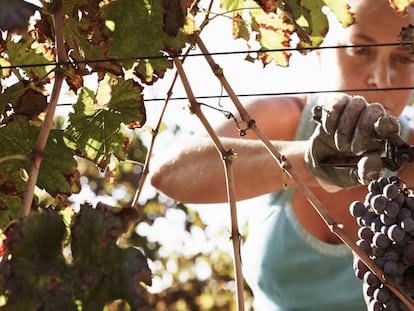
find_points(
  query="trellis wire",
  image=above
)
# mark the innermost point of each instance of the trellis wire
(163, 55)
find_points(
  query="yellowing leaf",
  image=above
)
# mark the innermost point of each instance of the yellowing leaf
(341, 10)
(401, 6)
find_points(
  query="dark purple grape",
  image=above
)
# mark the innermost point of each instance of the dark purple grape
(365, 246)
(367, 218)
(409, 203)
(377, 251)
(380, 262)
(404, 213)
(388, 221)
(381, 240)
(368, 198)
(384, 229)
(371, 279)
(376, 224)
(360, 221)
(383, 181)
(382, 294)
(357, 209)
(375, 187)
(378, 202)
(392, 254)
(392, 305)
(395, 180)
(407, 224)
(391, 191)
(360, 268)
(400, 199)
(409, 253)
(391, 268)
(395, 233)
(392, 209)
(365, 233)
(375, 305)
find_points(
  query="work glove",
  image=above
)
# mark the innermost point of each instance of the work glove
(347, 127)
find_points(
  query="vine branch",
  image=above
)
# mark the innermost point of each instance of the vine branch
(227, 157)
(39, 148)
(285, 165)
(145, 170)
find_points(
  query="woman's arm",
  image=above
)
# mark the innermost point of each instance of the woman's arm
(193, 171)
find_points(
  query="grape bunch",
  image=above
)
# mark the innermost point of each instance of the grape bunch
(386, 235)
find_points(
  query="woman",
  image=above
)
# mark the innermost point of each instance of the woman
(292, 261)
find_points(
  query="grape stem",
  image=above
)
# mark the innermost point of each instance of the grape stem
(286, 166)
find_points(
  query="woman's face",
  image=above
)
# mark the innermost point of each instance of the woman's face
(373, 67)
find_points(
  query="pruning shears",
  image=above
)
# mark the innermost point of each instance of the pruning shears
(397, 153)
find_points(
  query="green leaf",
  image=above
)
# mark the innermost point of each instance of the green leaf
(95, 127)
(341, 10)
(240, 28)
(88, 38)
(9, 206)
(234, 6)
(10, 95)
(101, 263)
(36, 269)
(137, 29)
(138, 36)
(23, 53)
(318, 24)
(57, 171)
(30, 240)
(174, 16)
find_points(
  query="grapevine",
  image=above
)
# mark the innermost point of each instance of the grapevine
(52, 255)
(386, 235)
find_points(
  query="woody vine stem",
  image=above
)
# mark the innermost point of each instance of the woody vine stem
(39, 148)
(286, 167)
(227, 156)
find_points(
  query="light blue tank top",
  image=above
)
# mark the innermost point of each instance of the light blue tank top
(289, 269)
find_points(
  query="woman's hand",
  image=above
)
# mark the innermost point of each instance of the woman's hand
(348, 127)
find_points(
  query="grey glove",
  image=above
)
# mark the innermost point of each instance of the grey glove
(347, 127)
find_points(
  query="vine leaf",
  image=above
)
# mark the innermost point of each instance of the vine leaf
(101, 263)
(87, 39)
(94, 129)
(58, 170)
(401, 6)
(315, 26)
(148, 47)
(273, 30)
(4, 72)
(340, 8)
(276, 21)
(10, 204)
(24, 99)
(38, 271)
(173, 17)
(25, 53)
